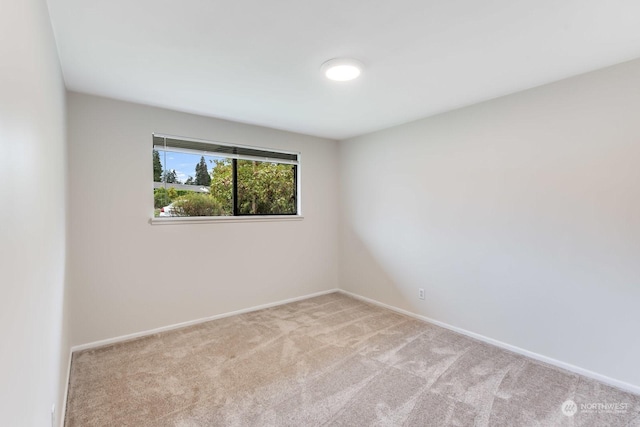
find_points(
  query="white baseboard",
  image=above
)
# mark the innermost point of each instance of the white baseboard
(128, 337)
(63, 408)
(563, 365)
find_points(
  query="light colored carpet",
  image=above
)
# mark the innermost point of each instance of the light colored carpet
(330, 360)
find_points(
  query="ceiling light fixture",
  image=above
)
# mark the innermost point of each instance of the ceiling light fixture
(341, 69)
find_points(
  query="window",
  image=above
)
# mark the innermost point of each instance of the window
(196, 178)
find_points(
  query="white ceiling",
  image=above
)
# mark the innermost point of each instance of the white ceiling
(258, 61)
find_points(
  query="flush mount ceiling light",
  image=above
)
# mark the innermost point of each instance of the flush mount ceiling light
(341, 69)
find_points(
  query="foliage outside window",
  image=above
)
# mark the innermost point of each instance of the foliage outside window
(200, 178)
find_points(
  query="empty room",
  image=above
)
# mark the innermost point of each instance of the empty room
(303, 213)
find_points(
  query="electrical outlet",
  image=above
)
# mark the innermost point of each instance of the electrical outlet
(53, 415)
(420, 293)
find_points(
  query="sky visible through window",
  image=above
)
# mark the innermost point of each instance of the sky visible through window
(184, 163)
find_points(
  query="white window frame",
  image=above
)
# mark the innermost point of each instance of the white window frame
(241, 218)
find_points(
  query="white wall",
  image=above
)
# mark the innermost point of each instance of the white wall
(128, 276)
(34, 350)
(520, 217)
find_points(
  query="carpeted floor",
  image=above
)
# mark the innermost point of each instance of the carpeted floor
(330, 360)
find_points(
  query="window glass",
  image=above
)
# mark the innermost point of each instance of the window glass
(227, 181)
(266, 188)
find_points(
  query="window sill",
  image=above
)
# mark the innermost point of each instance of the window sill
(219, 219)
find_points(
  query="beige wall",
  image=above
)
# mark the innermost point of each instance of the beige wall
(34, 351)
(520, 217)
(128, 276)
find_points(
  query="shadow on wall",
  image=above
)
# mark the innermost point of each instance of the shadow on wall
(366, 275)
